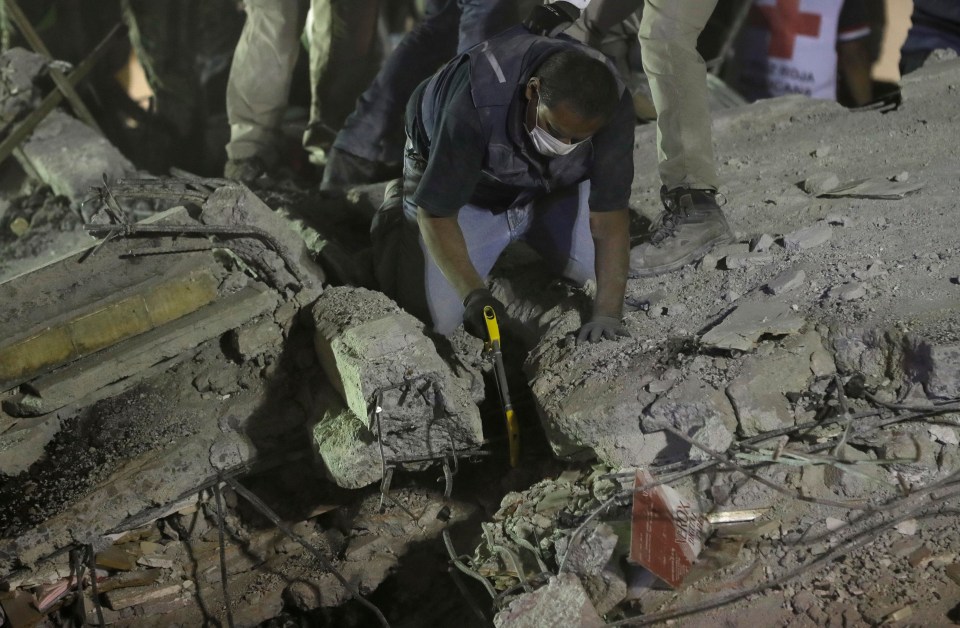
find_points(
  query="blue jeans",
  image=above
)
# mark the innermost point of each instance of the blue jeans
(374, 130)
(556, 226)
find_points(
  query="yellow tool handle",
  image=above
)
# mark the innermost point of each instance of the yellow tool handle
(493, 329)
(513, 428)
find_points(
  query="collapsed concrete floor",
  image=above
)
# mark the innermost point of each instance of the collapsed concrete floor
(800, 389)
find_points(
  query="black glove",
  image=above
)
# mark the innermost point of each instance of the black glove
(473, 319)
(549, 19)
(602, 327)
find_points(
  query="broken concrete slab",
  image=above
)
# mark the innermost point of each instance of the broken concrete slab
(562, 602)
(759, 393)
(71, 157)
(588, 401)
(749, 322)
(390, 374)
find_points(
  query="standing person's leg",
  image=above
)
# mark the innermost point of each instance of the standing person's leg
(259, 82)
(319, 35)
(678, 82)
(692, 223)
(373, 134)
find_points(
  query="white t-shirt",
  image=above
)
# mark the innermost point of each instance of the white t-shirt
(789, 46)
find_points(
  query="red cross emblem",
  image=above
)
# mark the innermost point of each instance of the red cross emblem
(785, 22)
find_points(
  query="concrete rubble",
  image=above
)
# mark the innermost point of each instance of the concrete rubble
(799, 386)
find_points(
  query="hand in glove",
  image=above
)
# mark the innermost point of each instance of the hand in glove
(602, 327)
(549, 19)
(473, 319)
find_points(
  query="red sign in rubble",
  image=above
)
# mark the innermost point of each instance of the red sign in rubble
(667, 531)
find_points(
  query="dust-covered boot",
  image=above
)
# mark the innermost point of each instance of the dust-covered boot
(344, 170)
(246, 171)
(690, 226)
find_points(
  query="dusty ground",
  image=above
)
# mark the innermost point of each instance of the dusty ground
(904, 253)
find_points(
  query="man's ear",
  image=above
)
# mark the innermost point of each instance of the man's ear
(532, 85)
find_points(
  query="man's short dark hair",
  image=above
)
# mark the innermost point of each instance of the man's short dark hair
(583, 82)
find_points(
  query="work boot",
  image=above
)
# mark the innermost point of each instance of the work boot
(344, 170)
(245, 171)
(690, 226)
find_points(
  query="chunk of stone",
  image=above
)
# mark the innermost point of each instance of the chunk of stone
(820, 182)
(71, 157)
(391, 377)
(762, 243)
(808, 237)
(748, 322)
(851, 291)
(874, 270)
(592, 551)
(346, 447)
(787, 281)
(562, 602)
(747, 260)
(255, 338)
(943, 379)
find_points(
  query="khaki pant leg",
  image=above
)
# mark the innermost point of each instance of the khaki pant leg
(319, 35)
(259, 83)
(668, 38)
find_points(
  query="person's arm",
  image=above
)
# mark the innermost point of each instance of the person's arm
(446, 245)
(611, 239)
(853, 62)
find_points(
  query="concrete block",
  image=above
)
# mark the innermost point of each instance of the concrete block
(71, 157)
(390, 376)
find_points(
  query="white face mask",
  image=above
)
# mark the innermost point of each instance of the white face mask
(546, 144)
(549, 146)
